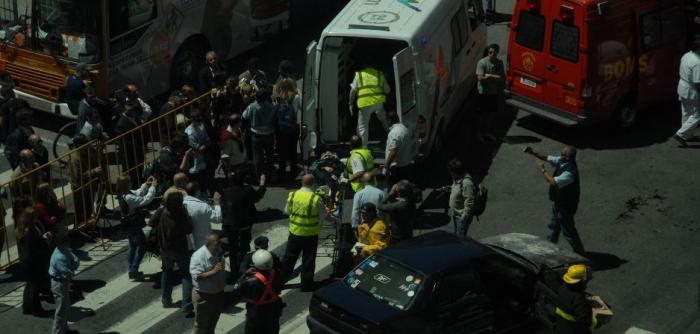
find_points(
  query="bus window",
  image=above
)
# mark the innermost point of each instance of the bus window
(530, 32)
(127, 15)
(565, 41)
(460, 32)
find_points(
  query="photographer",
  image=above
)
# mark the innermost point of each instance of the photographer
(133, 219)
(399, 209)
(461, 197)
(564, 191)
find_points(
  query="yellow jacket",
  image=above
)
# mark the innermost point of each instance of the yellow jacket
(375, 237)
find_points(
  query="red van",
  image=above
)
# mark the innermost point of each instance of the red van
(583, 61)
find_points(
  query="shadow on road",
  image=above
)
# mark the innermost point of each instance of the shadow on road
(270, 215)
(604, 261)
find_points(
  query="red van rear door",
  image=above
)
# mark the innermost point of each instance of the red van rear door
(564, 64)
(526, 49)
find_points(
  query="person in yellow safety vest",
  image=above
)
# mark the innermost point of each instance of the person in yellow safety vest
(574, 311)
(306, 212)
(261, 286)
(368, 89)
(360, 160)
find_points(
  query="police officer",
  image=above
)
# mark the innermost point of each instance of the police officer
(368, 89)
(574, 312)
(360, 160)
(261, 287)
(306, 211)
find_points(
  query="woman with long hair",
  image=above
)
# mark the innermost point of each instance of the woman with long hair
(287, 109)
(34, 255)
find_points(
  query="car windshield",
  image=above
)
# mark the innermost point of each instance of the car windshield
(386, 281)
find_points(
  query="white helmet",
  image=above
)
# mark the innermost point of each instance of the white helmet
(262, 259)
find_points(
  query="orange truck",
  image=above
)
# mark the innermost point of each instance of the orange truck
(584, 61)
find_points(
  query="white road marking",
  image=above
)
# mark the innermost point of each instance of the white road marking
(146, 316)
(635, 330)
(296, 325)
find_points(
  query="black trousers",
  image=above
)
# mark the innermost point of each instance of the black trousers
(397, 174)
(296, 245)
(263, 319)
(262, 154)
(238, 246)
(287, 150)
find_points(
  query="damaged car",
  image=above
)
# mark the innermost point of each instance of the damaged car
(439, 283)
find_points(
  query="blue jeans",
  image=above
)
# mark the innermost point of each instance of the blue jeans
(169, 258)
(461, 226)
(564, 222)
(137, 248)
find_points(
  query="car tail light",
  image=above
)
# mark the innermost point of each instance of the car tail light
(586, 91)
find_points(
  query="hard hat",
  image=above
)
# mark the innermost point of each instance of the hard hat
(262, 259)
(575, 274)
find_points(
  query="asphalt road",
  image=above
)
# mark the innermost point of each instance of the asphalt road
(638, 219)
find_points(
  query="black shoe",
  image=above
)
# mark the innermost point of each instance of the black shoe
(189, 314)
(136, 276)
(681, 142)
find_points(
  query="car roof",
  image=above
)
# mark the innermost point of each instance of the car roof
(435, 252)
(535, 249)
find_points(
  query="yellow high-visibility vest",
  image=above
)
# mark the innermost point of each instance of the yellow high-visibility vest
(569, 317)
(370, 88)
(302, 207)
(367, 162)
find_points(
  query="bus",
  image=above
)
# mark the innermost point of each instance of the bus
(158, 45)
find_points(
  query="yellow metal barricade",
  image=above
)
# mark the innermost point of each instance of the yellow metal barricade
(85, 184)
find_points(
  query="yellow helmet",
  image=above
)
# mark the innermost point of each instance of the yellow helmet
(575, 274)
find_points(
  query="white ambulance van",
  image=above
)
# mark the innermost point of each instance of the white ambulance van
(427, 49)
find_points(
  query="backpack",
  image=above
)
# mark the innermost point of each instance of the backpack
(481, 196)
(286, 118)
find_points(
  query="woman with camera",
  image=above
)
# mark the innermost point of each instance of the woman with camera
(131, 203)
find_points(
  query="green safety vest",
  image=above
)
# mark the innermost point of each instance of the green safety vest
(302, 207)
(367, 162)
(569, 317)
(370, 88)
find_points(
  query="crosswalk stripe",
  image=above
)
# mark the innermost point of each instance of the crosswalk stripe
(297, 325)
(635, 330)
(145, 317)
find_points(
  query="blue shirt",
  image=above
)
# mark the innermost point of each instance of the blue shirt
(63, 264)
(197, 137)
(567, 171)
(368, 194)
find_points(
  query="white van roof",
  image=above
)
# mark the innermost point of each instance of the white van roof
(388, 19)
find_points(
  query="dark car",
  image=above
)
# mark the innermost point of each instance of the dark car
(437, 283)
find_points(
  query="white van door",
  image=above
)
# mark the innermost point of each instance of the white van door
(406, 92)
(309, 104)
(405, 79)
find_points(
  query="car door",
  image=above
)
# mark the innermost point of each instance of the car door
(460, 305)
(309, 104)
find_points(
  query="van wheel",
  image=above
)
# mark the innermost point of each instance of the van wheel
(626, 115)
(186, 64)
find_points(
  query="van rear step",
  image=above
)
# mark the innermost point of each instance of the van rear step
(544, 111)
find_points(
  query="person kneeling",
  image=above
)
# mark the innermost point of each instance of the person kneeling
(372, 234)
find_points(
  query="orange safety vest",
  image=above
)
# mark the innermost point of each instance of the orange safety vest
(268, 296)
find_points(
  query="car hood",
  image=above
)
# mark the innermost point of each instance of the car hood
(535, 249)
(343, 299)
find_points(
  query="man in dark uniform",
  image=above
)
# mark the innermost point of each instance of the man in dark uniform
(261, 242)
(564, 191)
(574, 312)
(261, 287)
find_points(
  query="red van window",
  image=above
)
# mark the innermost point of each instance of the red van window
(530, 33)
(565, 41)
(661, 27)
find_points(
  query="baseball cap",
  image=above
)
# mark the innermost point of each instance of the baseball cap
(261, 241)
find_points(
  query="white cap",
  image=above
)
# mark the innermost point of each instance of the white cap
(262, 259)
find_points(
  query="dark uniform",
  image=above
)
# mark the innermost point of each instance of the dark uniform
(263, 304)
(574, 312)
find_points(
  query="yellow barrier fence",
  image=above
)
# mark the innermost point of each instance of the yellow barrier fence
(78, 192)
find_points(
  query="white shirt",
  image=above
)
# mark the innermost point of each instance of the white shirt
(321, 207)
(138, 198)
(398, 139)
(202, 215)
(357, 164)
(202, 261)
(689, 76)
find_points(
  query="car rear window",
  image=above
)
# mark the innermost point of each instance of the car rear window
(530, 33)
(386, 281)
(565, 41)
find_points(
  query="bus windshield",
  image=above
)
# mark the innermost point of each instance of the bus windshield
(69, 29)
(62, 28)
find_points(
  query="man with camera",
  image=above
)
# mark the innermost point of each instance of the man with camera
(564, 191)
(462, 197)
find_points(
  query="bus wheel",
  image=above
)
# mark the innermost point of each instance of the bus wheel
(626, 115)
(186, 65)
